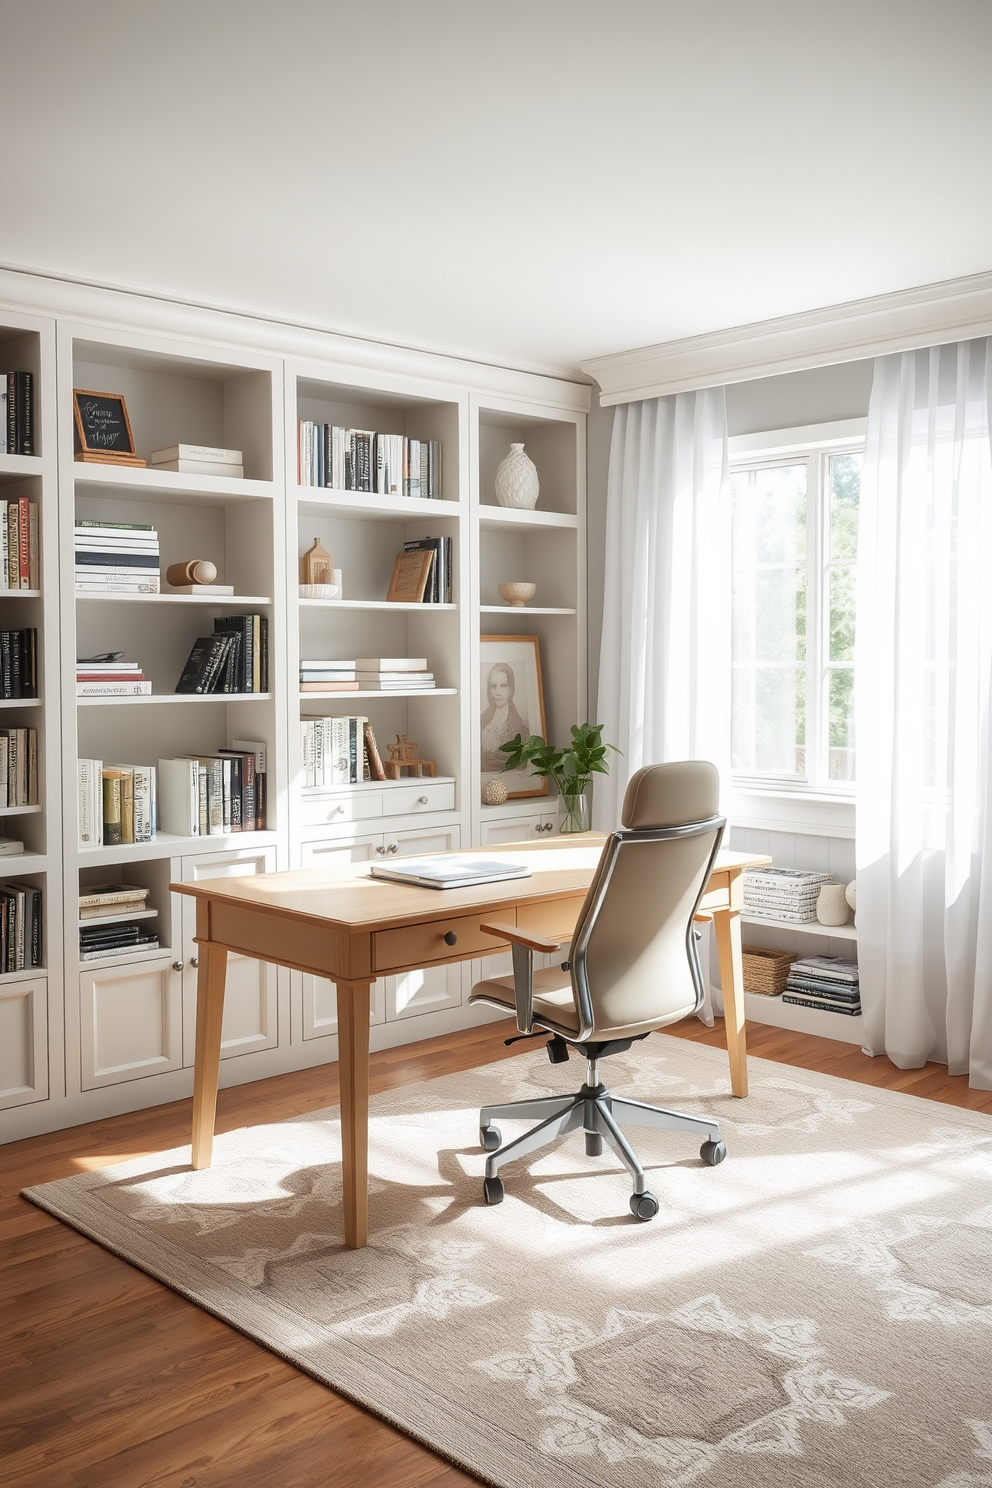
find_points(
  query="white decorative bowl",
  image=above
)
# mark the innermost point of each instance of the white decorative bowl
(517, 594)
(319, 591)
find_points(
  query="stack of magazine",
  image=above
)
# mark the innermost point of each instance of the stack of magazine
(826, 982)
(782, 893)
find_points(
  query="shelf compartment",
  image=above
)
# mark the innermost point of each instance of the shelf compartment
(101, 963)
(775, 1013)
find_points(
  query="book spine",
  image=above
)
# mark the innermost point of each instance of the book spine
(144, 826)
(23, 543)
(13, 544)
(36, 927)
(203, 798)
(12, 414)
(26, 413)
(215, 798)
(88, 772)
(111, 809)
(34, 550)
(5, 796)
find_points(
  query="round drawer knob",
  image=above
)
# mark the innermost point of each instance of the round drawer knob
(178, 965)
(380, 851)
(193, 962)
(393, 847)
(421, 800)
(451, 938)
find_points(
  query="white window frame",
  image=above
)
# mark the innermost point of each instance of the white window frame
(816, 803)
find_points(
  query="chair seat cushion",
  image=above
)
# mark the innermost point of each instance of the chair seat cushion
(552, 996)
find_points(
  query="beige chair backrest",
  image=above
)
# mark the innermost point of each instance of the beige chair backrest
(634, 962)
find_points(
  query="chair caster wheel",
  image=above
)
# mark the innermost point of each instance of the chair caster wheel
(492, 1190)
(490, 1138)
(713, 1153)
(643, 1205)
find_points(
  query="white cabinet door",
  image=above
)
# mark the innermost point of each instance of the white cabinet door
(23, 1042)
(130, 1022)
(434, 987)
(533, 828)
(251, 1013)
(320, 1003)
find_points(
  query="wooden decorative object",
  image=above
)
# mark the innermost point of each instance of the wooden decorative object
(403, 756)
(410, 573)
(315, 565)
(103, 429)
(193, 571)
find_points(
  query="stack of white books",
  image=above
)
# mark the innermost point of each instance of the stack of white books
(116, 558)
(783, 893)
(199, 459)
(393, 674)
(110, 677)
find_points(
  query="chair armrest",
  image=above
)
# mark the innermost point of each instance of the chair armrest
(528, 938)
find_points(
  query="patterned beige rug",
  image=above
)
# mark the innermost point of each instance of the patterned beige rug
(815, 1311)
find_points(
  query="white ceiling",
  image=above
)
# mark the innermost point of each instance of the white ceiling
(530, 182)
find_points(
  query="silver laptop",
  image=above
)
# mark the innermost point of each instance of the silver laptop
(449, 871)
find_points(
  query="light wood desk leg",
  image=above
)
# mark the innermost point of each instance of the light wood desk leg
(727, 925)
(211, 978)
(354, 1002)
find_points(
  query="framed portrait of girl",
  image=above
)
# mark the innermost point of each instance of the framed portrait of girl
(512, 702)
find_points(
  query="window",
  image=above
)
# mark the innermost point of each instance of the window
(795, 533)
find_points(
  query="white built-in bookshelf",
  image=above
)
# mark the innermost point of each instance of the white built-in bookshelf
(84, 1038)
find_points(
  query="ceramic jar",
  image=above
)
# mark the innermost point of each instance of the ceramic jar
(831, 905)
(516, 480)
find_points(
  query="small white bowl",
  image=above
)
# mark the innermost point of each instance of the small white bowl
(319, 591)
(518, 594)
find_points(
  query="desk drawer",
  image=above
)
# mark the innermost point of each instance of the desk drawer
(422, 945)
(336, 810)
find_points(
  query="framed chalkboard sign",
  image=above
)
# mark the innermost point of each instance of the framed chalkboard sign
(102, 425)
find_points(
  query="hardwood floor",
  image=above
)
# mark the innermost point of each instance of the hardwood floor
(108, 1378)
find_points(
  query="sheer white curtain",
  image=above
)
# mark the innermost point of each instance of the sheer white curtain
(924, 639)
(664, 675)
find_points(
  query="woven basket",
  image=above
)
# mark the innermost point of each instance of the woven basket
(765, 970)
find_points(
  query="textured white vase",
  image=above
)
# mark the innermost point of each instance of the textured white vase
(831, 905)
(516, 480)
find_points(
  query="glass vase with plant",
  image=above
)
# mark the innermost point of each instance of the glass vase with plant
(571, 768)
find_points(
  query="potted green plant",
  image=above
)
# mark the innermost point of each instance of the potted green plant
(571, 768)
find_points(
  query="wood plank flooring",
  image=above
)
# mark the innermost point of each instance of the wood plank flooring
(108, 1378)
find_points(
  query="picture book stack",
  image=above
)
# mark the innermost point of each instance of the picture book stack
(199, 459)
(116, 558)
(110, 675)
(18, 767)
(16, 413)
(422, 572)
(20, 926)
(826, 982)
(116, 921)
(234, 659)
(211, 795)
(19, 663)
(338, 751)
(367, 674)
(361, 460)
(115, 803)
(783, 893)
(19, 544)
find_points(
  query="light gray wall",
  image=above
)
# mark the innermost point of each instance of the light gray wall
(819, 395)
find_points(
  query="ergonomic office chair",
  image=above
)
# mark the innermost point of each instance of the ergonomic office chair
(632, 968)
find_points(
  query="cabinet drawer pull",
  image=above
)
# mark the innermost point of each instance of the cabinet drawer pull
(193, 962)
(422, 800)
(178, 965)
(380, 851)
(451, 938)
(393, 847)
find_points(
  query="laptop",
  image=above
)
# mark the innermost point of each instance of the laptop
(449, 871)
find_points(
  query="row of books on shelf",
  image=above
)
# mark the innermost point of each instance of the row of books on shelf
(367, 674)
(339, 751)
(116, 558)
(18, 767)
(362, 460)
(16, 413)
(234, 659)
(19, 663)
(422, 572)
(122, 936)
(829, 983)
(20, 926)
(199, 795)
(19, 552)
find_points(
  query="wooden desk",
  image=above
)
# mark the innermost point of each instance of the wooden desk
(342, 924)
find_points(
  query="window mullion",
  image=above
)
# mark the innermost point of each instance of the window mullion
(814, 620)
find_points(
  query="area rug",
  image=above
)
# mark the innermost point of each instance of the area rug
(815, 1311)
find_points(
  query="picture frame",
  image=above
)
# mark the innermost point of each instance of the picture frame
(103, 428)
(511, 697)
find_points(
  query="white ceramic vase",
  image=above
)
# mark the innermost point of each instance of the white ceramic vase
(516, 480)
(831, 905)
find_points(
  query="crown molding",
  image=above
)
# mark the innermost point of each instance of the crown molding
(118, 308)
(934, 313)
